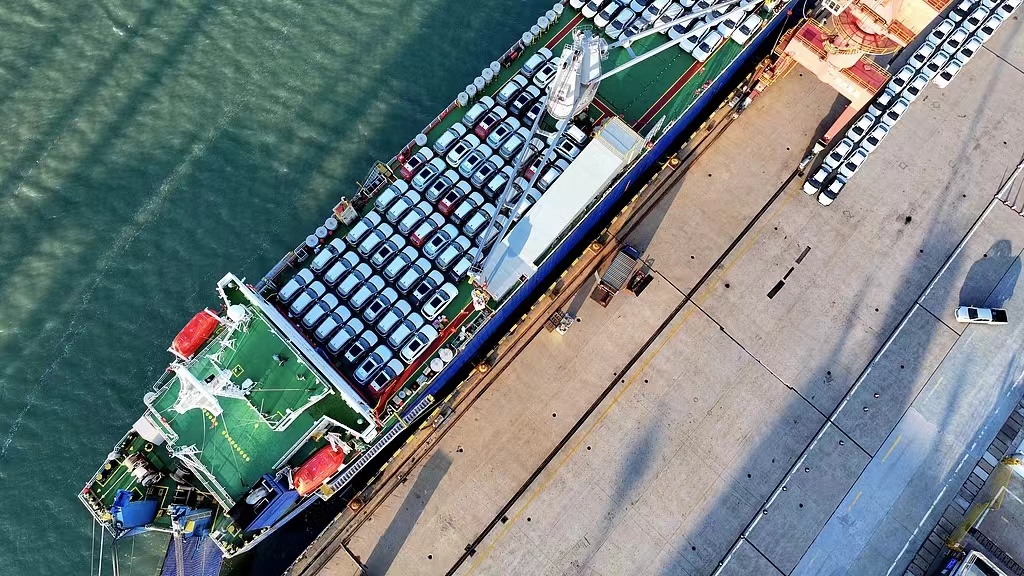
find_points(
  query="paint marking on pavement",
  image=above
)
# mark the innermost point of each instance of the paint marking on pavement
(893, 447)
(855, 498)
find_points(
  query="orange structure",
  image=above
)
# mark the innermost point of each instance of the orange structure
(839, 50)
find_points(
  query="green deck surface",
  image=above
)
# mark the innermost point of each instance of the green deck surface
(240, 444)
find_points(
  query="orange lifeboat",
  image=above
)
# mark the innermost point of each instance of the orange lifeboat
(195, 334)
(318, 468)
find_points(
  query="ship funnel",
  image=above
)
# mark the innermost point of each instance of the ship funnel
(576, 80)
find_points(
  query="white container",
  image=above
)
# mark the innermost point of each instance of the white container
(462, 99)
(487, 75)
(479, 83)
(527, 38)
(495, 67)
(421, 140)
(471, 90)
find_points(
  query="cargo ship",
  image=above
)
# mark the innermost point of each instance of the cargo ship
(295, 385)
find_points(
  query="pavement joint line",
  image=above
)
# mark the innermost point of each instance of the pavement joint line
(759, 217)
(763, 365)
(829, 422)
(1000, 57)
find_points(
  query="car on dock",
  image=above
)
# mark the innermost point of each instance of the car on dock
(836, 156)
(948, 72)
(976, 315)
(813, 184)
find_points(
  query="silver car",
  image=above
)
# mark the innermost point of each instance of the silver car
(453, 250)
(424, 177)
(393, 317)
(388, 373)
(327, 255)
(386, 250)
(380, 305)
(426, 287)
(476, 111)
(388, 196)
(366, 291)
(461, 148)
(446, 140)
(346, 335)
(336, 319)
(469, 204)
(372, 363)
(441, 185)
(486, 170)
(502, 131)
(412, 275)
(292, 287)
(414, 217)
(321, 308)
(400, 262)
(406, 328)
(461, 267)
(362, 228)
(478, 220)
(375, 238)
(310, 294)
(496, 186)
(514, 143)
(440, 240)
(418, 343)
(510, 89)
(356, 350)
(354, 279)
(395, 212)
(335, 273)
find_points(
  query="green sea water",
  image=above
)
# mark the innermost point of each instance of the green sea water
(148, 147)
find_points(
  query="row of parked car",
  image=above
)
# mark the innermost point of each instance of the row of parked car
(629, 17)
(368, 298)
(947, 48)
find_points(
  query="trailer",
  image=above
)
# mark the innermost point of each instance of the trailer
(615, 277)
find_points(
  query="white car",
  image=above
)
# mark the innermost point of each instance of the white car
(836, 156)
(874, 138)
(939, 33)
(969, 49)
(345, 335)
(418, 343)
(974, 19)
(381, 304)
(853, 163)
(913, 89)
(689, 43)
(921, 55)
(427, 174)
(309, 294)
(935, 64)
(577, 4)
(376, 360)
(393, 317)
(461, 148)
(988, 28)
(975, 315)
(707, 45)
(366, 341)
(961, 10)
(593, 7)
(439, 300)
(672, 12)
(405, 328)
(1005, 10)
(747, 28)
(340, 268)
(900, 80)
(399, 263)
(882, 103)
(896, 112)
(320, 309)
(605, 16)
(956, 39)
(946, 76)
(336, 319)
(389, 372)
(453, 250)
(397, 210)
(354, 279)
(615, 28)
(366, 292)
(860, 127)
(813, 184)
(829, 194)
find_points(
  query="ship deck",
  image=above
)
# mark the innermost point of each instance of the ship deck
(717, 404)
(665, 85)
(241, 444)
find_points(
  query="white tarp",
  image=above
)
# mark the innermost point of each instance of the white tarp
(589, 175)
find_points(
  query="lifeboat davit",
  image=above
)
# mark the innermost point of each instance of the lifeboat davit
(195, 334)
(318, 468)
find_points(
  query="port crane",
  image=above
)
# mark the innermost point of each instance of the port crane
(574, 87)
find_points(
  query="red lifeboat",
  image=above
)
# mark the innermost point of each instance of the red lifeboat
(195, 334)
(318, 468)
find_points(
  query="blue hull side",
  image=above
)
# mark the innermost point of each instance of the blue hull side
(595, 221)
